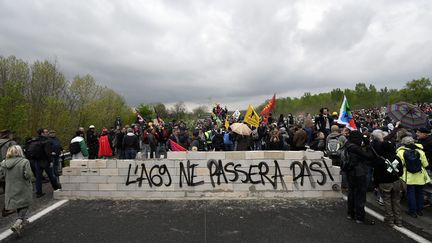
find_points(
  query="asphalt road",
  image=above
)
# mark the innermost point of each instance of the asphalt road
(204, 221)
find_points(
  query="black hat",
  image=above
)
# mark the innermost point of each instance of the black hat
(355, 137)
(424, 130)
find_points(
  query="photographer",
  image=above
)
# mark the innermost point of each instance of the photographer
(359, 157)
(387, 170)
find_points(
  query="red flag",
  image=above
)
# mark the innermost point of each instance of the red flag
(175, 146)
(269, 107)
(140, 119)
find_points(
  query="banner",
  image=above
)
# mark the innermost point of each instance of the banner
(236, 114)
(175, 146)
(269, 107)
(251, 117)
(139, 118)
(345, 115)
(226, 122)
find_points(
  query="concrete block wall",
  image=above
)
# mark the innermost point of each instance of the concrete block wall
(195, 175)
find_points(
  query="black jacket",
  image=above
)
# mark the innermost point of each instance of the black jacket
(320, 123)
(46, 148)
(130, 140)
(427, 147)
(360, 158)
(55, 146)
(387, 151)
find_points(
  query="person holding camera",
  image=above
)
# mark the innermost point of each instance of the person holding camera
(359, 157)
(387, 170)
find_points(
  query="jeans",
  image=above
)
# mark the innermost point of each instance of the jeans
(146, 150)
(130, 153)
(415, 198)
(357, 197)
(258, 145)
(55, 167)
(39, 170)
(153, 152)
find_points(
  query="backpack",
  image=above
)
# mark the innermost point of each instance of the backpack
(412, 160)
(345, 161)
(75, 148)
(333, 146)
(34, 149)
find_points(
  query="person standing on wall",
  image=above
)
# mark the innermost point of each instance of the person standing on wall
(92, 142)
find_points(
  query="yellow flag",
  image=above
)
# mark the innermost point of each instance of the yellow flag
(226, 122)
(251, 117)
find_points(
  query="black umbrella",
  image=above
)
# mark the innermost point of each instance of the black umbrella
(410, 116)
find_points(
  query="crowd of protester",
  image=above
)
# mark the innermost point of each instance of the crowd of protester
(377, 141)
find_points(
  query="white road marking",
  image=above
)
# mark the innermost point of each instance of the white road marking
(402, 230)
(35, 217)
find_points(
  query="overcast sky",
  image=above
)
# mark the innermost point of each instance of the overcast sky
(232, 52)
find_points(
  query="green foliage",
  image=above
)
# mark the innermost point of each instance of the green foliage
(160, 110)
(200, 111)
(178, 112)
(38, 95)
(146, 111)
(362, 96)
(417, 91)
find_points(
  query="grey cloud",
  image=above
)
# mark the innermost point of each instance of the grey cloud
(237, 51)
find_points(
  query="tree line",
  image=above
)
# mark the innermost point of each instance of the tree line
(34, 95)
(363, 96)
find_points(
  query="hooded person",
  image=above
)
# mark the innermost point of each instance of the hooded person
(130, 144)
(78, 146)
(19, 176)
(359, 159)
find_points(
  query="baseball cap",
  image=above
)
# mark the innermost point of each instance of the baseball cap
(91, 126)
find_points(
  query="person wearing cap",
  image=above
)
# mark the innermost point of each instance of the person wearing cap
(424, 138)
(92, 142)
(335, 116)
